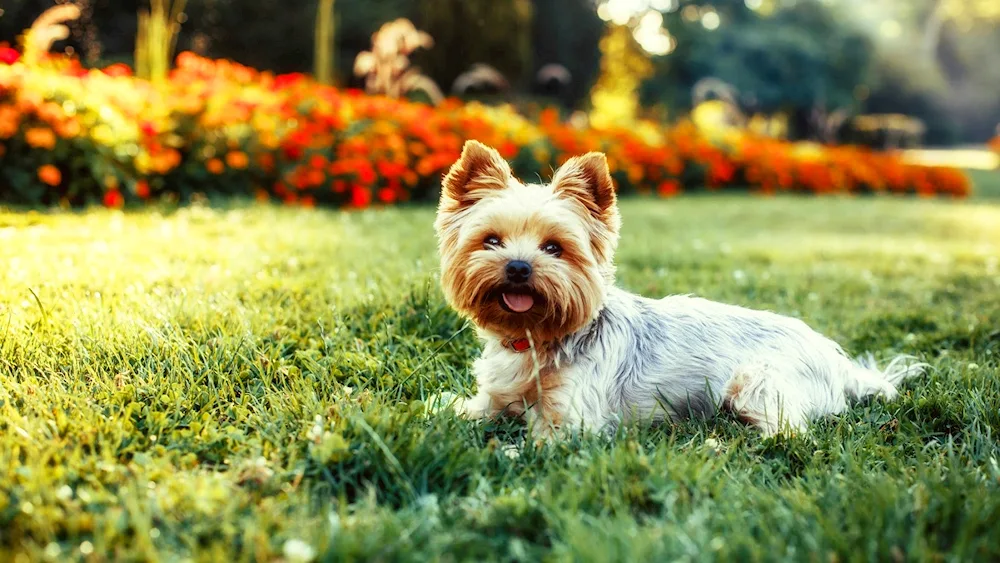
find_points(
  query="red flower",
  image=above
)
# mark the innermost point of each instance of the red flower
(508, 150)
(317, 161)
(390, 169)
(9, 56)
(721, 172)
(386, 195)
(113, 199)
(361, 197)
(669, 188)
(292, 152)
(148, 129)
(142, 189)
(285, 80)
(365, 174)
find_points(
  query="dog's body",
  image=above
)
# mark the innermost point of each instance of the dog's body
(677, 357)
(533, 267)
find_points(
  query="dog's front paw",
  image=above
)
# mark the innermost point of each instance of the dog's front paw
(471, 408)
(474, 408)
(442, 402)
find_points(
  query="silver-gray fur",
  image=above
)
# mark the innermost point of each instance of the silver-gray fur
(682, 356)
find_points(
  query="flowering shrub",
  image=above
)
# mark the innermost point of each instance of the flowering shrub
(72, 136)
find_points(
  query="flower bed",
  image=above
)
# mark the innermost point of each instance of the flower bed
(70, 136)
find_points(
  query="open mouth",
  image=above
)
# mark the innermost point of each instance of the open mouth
(516, 300)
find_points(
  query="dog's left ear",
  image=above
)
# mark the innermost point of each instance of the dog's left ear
(588, 179)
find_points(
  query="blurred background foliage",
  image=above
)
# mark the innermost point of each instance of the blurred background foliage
(935, 60)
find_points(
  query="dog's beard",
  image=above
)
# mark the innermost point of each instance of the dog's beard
(548, 309)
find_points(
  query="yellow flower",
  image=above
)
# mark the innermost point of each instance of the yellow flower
(104, 135)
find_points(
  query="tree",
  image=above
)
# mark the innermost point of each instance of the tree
(567, 33)
(325, 46)
(795, 60)
(466, 32)
(624, 66)
(967, 13)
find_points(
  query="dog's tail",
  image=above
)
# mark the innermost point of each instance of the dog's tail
(866, 378)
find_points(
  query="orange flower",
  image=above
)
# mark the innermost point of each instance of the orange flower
(994, 144)
(50, 175)
(237, 160)
(40, 138)
(315, 177)
(298, 138)
(68, 128)
(215, 166)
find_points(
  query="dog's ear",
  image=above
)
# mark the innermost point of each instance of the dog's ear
(587, 179)
(480, 168)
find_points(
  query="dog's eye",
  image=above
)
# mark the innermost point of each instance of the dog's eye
(552, 248)
(491, 241)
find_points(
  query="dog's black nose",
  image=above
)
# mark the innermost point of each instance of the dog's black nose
(518, 271)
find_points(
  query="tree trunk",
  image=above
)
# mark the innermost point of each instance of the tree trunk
(324, 43)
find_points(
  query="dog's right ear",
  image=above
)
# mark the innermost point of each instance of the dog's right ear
(478, 170)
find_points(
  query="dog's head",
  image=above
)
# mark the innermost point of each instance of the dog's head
(521, 257)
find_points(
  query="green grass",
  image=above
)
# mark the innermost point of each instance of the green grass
(986, 183)
(210, 384)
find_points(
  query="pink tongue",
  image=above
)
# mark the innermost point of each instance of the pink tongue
(518, 302)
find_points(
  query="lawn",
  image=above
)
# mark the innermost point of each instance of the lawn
(246, 382)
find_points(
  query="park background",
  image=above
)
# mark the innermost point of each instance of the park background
(813, 96)
(219, 307)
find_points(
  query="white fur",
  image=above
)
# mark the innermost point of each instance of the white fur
(633, 358)
(644, 359)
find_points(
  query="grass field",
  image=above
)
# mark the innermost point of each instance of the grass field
(246, 384)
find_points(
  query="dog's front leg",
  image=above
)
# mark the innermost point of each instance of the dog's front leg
(476, 407)
(549, 421)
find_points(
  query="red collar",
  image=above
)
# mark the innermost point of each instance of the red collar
(519, 345)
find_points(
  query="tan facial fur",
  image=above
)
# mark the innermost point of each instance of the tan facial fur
(480, 198)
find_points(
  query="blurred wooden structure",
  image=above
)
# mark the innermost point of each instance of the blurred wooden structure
(386, 67)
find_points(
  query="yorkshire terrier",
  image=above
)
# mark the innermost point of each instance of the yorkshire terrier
(532, 266)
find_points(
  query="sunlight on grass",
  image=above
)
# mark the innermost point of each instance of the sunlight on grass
(972, 159)
(242, 383)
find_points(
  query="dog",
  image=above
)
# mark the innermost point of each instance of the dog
(532, 266)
